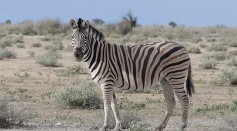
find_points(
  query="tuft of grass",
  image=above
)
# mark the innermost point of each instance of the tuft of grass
(71, 71)
(232, 107)
(194, 50)
(227, 77)
(37, 44)
(7, 54)
(82, 97)
(10, 116)
(208, 63)
(49, 59)
(20, 45)
(124, 103)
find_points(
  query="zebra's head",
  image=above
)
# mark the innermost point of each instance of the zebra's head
(79, 38)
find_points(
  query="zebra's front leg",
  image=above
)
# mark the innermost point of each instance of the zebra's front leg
(107, 97)
(114, 106)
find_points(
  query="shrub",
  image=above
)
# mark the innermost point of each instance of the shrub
(73, 70)
(233, 62)
(49, 59)
(219, 56)
(194, 50)
(31, 53)
(49, 26)
(37, 44)
(5, 41)
(227, 77)
(233, 52)
(10, 116)
(56, 45)
(17, 39)
(46, 38)
(233, 44)
(217, 47)
(208, 63)
(21, 45)
(83, 97)
(7, 54)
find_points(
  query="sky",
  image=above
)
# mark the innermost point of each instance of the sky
(148, 12)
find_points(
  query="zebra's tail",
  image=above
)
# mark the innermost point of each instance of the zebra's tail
(189, 83)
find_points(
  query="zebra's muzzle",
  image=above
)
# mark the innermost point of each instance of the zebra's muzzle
(78, 54)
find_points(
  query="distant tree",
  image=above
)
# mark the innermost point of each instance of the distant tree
(127, 23)
(172, 24)
(131, 19)
(98, 21)
(8, 22)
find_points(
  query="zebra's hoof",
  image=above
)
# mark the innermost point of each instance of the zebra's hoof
(104, 128)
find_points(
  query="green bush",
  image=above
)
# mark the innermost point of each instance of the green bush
(71, 71)
(10, 116)
(7, 54)
(208, 63)
(194, 50)
(49, 59)
(227, 77)
(233, 62)
(219, 55)
(83, 97)
(49, 26)
(217, 47)
(233, 44)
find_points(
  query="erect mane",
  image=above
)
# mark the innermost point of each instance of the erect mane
(95, 33)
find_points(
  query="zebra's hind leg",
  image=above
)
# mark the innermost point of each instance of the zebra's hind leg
(114, 106)
(170, 103)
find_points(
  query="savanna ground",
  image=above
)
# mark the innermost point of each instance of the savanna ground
(32, 87)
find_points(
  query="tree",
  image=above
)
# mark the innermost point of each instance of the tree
(172, 24)
(98, 21)
(131, 19)
(8, 22)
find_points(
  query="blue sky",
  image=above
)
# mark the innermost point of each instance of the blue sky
(148, 12)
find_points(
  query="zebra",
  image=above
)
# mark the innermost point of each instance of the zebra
(134, 68)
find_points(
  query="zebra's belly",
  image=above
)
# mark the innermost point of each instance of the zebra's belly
(134, 84)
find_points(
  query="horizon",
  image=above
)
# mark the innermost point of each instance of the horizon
(155, 12)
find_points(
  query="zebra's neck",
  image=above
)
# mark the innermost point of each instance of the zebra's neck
(96, 57)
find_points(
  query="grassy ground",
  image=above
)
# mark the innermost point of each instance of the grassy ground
(31, 85)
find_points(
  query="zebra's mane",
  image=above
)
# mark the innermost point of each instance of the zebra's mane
(95, 33)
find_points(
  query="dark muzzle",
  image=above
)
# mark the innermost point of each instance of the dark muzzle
(78, 54)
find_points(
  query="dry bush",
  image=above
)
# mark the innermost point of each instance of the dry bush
(83, 96)
(219, 56)
(10, 116)
(194, 50)
(217, 47)
(7, 54)
(208, 63)
(227, 77)
(49, 59)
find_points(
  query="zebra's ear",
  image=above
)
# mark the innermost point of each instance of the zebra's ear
(73, 24)
(85, 24)
(79, 22)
